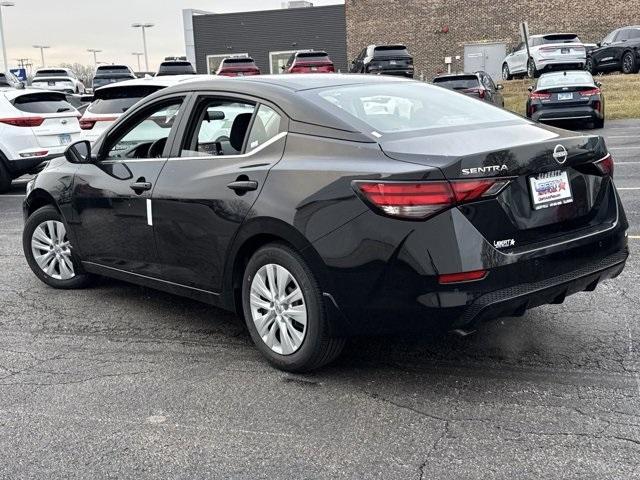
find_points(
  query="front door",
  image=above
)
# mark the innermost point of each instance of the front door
(111, 197)
(207, 189)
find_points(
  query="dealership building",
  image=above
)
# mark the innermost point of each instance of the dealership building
(269, 36)
(440, 34)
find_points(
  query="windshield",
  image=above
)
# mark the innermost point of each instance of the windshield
(566, 79)
(402, 107)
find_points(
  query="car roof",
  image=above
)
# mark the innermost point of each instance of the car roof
(540, 35)
(163, 81)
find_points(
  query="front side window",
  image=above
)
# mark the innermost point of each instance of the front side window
(147, 137)
(609, 38)
(404, 107)
(266, 125)
(219, 127)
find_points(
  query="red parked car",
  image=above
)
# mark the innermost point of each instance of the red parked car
(309, 62)
(238, 67)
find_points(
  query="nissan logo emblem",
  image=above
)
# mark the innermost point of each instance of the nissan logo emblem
(560, 154)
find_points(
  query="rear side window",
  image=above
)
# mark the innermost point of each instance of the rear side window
(265, 126)
(118, 100)
(42, 103)
(457, 83)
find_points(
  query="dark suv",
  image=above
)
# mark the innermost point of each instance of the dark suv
(384, 60)
(478, 85)
(175, 67)
(620, 50)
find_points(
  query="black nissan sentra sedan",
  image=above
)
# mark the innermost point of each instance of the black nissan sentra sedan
(566, 96)
(323, 206)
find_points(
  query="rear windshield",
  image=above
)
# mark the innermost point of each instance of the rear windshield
(313, 57)
(51, 73)
(238, 61)
(102, 80)
(45, 80)
(175, 68)
(391, 51)
(43, 103)
(571, 78)
(559, 38)
(112, 69)
(118, 100)
(404, 107)
(458, 83)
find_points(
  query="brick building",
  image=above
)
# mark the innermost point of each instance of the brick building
(479, 32)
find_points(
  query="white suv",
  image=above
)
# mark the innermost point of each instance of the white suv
(58, 79)
(35, 125)
(552, 51)
(111, 101)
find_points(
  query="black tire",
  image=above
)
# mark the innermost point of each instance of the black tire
(629, 63)
(5, 178)
(318, 348)
(506, 74)
(588, 66)
(598, 123)
(532, 72)
(49, 212)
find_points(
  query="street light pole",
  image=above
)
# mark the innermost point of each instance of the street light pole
(138, 55)
(4, 43)
(144, 27)
(95, 57)
(42, 49)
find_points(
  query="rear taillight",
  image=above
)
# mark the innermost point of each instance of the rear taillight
(88, 123)
(299, 69)
(476, 91)
(591, 91)
(605, 165)
(462, 277)
(23, 121)
(539, 96)
(421, 200)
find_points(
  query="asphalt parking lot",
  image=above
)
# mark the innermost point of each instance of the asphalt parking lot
(120, 381)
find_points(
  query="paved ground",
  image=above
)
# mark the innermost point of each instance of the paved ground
(124, 382)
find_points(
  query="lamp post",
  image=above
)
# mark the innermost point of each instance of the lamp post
(4, 43)
(95, 51)
(138, 55)
(42, 49)
(144, 27)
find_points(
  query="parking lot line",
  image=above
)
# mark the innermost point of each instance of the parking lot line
(625, 148)
(634, 237)
(628, 188)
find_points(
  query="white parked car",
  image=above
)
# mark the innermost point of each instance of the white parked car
(57, 79)
(111, 101)
(552, 51)
(35, 125)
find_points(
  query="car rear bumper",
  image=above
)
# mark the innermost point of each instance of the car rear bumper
(397, 73)
(22, 166)
(585, 113)
(560, 63)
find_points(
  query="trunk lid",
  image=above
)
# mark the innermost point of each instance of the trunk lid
(519, 152)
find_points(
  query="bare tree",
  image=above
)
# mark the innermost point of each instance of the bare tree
(83, 72)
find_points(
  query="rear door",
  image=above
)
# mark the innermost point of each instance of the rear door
(517, 61)
(112, 196)
(60, 125)
(210, 184)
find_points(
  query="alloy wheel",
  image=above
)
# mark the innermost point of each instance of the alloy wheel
(627, 63)
(278, 309)
(52, 251)
(505, 72)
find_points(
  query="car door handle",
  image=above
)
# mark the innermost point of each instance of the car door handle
(140, 187)
(243, 186)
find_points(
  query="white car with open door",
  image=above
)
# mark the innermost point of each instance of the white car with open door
(552, 51)
(35, 125)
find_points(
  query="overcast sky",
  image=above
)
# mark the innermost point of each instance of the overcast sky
(70, 27)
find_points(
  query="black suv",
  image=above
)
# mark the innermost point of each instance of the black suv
(384, 60)
(620, 50)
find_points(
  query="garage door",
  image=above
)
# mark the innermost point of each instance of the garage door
(486, 56)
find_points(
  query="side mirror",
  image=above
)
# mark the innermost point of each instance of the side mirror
(530, 88)
(598, 84)
(21, 86)
(598, 44)
(499, 86)
(79, 152)
(283, 68)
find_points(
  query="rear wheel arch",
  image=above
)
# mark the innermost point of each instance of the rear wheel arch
(254, 235)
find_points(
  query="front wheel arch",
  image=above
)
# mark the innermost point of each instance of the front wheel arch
(38, 199)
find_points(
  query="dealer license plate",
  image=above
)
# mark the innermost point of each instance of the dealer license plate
(550, 189)
(65, 139)
(565, 96)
